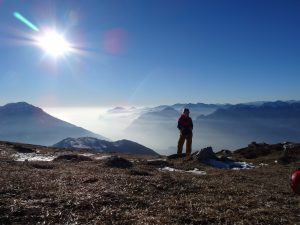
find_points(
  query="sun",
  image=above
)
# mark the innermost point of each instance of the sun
(54, 44)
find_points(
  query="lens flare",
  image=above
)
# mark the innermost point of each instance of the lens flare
(25, 21)
(54, 44)
(115, 41)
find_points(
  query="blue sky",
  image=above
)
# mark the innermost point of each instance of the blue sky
(162, 52)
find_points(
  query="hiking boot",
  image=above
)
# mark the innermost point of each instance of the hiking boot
(188, 158)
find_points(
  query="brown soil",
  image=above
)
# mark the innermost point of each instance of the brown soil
(90, 192)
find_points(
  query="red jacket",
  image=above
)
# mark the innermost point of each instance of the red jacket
(185, 125)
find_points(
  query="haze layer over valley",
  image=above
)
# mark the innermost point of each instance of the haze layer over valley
(222, 126)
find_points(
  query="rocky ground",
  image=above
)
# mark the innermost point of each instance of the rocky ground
(80, 188)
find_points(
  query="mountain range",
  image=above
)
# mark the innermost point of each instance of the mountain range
(122, 146)
(225, 127)
(222, 126)
(22, 122)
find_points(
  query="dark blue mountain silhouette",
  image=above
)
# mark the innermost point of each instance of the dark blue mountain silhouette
(271, 122)
(226, 127)
(22, 122)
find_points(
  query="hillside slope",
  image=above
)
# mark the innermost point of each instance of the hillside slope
(88, 190)
(22, 122)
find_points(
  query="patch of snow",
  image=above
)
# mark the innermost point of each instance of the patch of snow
(197, 171)
(134, 161)
(87, 154)
(117, 144)
(89, 139)
(154, 160)
(263, 164)
(194, 171)
(229, 164)
(2, 152)
(103, 157)
(21, 157)
(80, 145)
(289, 145)
(166, 168)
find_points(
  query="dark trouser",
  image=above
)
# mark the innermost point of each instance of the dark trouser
(181, 141)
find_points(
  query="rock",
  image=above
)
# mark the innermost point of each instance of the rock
(204, 154)
(21, 149)
(259, 150)
(224, 153)
(290, 154)
(158, 163)
(176, 156)
(290, 145)
(118, 162)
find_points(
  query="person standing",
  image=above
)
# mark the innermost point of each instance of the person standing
(185, 125)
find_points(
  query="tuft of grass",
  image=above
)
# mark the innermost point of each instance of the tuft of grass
(72, 158)
(42, 165)
(137, 172)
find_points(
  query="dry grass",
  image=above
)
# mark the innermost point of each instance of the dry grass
(90, 192)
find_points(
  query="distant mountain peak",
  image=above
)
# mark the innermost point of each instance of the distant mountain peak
(23, 122)
(168, 108)
(124, 146)
(119, 108)
(19, 105)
